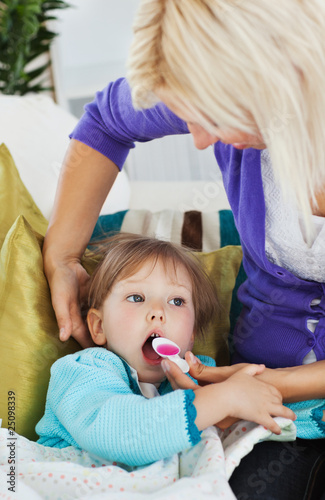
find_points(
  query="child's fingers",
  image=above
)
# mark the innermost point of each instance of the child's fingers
(286, 413)
(271, 424)
(253, 369)
(278, 411)
(260, 369)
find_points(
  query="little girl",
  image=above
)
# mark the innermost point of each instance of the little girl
(114, 401)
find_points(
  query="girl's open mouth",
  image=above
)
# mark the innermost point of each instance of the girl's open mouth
(148, 352)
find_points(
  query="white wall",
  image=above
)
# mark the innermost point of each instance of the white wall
(92, 47)
(96, 31)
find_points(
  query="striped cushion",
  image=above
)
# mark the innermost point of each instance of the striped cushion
(202, 231)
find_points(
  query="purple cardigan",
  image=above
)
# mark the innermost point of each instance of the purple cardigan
(272, 328)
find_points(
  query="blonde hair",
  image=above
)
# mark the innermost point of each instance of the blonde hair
(125, 253)
(247, 65)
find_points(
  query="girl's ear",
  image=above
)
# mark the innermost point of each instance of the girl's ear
(95, 325)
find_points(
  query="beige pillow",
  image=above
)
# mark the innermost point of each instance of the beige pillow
(222, 266)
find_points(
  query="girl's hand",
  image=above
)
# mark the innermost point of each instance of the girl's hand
(242, 396)
(255, 400)
(180, 380)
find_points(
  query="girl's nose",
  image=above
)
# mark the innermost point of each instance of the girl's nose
(156, 313)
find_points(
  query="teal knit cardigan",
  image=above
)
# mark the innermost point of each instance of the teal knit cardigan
(309, 421)
(95, 404)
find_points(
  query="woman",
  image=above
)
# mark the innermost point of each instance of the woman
(247, 77)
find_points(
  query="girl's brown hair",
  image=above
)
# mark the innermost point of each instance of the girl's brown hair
(125, 253)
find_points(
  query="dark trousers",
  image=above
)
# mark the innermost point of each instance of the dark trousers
(282, 471)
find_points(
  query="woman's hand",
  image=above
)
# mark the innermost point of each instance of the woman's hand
(204, 375)
(85, 180)
(296, 383)
(69, 290)
(200, 372)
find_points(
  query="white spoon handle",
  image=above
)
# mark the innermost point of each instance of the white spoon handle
(181, 363)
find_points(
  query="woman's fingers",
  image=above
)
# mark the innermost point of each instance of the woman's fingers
(70, 321)
(177, 379)
(211, 374)
(62, 298)
(68, 288)
(202, 373)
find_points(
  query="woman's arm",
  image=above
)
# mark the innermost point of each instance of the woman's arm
(108, 129)
(298, 383)
(84, 183)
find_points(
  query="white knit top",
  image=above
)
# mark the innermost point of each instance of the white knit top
(285, 239)
(285, 242)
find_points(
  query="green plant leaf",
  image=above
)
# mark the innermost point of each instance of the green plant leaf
(23, 37)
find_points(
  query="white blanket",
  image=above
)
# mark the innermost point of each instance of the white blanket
(202, 472)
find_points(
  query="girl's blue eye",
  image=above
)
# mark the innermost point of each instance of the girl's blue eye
(176, 302)
(135, 298)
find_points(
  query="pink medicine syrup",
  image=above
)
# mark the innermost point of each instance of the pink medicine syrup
(167, 350)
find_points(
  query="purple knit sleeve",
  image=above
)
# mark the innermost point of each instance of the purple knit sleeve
(111, 125)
